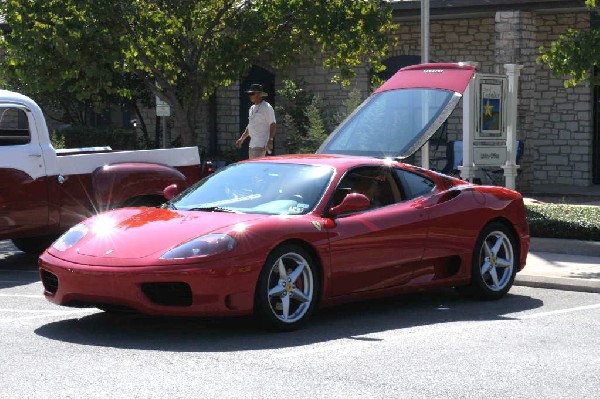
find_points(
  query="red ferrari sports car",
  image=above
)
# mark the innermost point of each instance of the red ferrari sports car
(279, 236)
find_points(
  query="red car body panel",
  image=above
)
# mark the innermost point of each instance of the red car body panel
(453, 77)
(411, 245)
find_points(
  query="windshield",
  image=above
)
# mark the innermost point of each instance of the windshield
(392, 123)
(268, 188)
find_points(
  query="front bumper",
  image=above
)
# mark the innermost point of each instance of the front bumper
(190, 290)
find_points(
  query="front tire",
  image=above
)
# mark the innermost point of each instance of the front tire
(494, 266)
(287, 289)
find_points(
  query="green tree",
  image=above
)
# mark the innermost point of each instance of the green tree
(574, 54)
(307, 122)
(316, 132)
(182, 50)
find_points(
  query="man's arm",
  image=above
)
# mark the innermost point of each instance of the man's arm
(272, 130)
(243, 137)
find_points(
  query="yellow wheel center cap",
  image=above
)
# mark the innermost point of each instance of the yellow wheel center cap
(288, 287)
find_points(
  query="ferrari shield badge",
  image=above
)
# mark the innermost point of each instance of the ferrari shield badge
(317, 224)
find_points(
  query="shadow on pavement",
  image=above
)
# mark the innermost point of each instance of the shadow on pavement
(347, 321)
(16, 268)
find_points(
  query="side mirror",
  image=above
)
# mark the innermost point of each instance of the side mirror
(170, 192)
(351, 203)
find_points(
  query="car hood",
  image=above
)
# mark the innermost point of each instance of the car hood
(142, 232)
(402, 114)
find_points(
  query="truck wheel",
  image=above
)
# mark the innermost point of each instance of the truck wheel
(33, 245)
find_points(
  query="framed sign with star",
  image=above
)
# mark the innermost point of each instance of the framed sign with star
(491, 118)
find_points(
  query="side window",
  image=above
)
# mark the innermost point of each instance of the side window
(376, 183)
(414, 184)
(14, 128)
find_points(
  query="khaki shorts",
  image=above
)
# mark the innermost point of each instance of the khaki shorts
(257, 152)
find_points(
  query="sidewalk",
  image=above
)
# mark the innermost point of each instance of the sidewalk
(562, 264)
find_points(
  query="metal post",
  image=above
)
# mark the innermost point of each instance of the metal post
(164, 132)
(510, 168)
(424, 60)
(424, 31)
(467, 169)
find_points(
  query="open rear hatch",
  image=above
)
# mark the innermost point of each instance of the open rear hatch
(402, 114)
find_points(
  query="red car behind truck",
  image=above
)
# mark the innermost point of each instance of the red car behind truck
(44, 191)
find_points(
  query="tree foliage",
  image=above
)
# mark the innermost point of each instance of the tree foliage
(181, 50)
(574, 54)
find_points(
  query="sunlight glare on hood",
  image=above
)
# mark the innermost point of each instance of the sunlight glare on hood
(103, 226)
(240, 227)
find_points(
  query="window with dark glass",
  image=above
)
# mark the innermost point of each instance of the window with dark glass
(414, 184)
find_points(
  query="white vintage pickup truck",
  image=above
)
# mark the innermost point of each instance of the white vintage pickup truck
(44, 191)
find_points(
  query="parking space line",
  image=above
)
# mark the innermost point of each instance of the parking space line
(19, 271)
(17, 281)
(30, 310)
(21, 296)
(559, 311)
(46, 313)
(24, 282)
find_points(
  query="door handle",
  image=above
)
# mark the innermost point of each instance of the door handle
(35, 155)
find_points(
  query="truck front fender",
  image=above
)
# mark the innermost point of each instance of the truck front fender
(115, 184)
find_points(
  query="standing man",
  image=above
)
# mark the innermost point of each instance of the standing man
(261, 124)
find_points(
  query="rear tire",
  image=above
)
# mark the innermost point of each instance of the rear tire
(494, 266)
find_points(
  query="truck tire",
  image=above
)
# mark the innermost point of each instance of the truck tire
(33, 245)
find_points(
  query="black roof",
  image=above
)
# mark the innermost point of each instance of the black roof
(440, 8)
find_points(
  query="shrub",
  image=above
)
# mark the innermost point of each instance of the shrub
(564, 221)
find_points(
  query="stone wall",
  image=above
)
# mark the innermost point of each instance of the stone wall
(560, 141)
(228, 120)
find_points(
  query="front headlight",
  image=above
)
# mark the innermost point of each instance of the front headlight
(210, 244)
(71, 237)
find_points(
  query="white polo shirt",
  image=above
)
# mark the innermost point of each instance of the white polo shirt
(260, 118)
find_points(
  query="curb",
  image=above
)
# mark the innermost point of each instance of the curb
(566, 247)
(557, 283)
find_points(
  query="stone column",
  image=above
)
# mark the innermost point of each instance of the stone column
(515, 44)
(510, 167)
